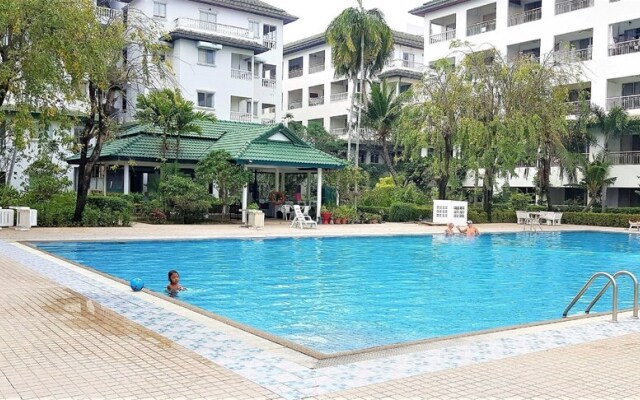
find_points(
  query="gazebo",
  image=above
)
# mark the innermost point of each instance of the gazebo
(130, 162)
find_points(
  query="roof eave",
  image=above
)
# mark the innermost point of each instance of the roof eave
(427, 8)
(226, 41)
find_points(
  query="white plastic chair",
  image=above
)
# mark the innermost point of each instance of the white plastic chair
(302, 220)
(305, 211)
(634, 225)
(523, 217)
(286, 210)
(557, 218)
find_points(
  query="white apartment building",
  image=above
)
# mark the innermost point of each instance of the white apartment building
(314, 94)
(226, 55)
(603, 35)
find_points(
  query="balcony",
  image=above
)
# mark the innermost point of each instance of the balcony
(628, 47)
(397, 63)
(337, 97)
(624, 157)
(212, 27)
(269, 43)
(524, 17)
(105, 14)
(316, 68)
(338, 131)
(241, 117)
(572, 5)
(294, 73)
(295, 105)
(441, 37)
(268, 121)
(482, 27)
(316, 101)
(624, 102)
(269, 83)
(575, 107)
(241, 74)
(571, 56)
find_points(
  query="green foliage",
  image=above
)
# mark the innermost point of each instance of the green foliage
(316, 135)
(595, 175)
(100, 211)
(599, 219)
(385, 195)
(187, 200)
(345, 181)
(9, 196)
(45, 179)
(218, 167)
(520, 201)
(405, 212)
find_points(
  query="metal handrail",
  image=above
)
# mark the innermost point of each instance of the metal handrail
(604, 289)
(612, 281)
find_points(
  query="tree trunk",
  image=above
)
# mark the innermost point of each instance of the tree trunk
(387, 159)
(589, 204)
(487, 192)
(351, 117)
(603, 196)
(545, 184)
(12, 165)
(442, 187)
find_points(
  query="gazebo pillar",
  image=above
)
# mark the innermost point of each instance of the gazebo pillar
(104, 179)
(277, 189)
(308, 188)
(245, 200)
(126, 183)
(319, 205)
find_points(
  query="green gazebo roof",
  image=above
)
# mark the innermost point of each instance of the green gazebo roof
(247, 143)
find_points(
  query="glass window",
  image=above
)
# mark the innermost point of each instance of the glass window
(205, 99)
(159, 9)
(254, 28)
(208, 17)
(206, 57)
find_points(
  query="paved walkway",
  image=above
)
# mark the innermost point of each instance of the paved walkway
(57, 343)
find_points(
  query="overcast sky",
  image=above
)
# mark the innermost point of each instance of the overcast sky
(314, 16)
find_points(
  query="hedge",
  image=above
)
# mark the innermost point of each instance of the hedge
(599, 219)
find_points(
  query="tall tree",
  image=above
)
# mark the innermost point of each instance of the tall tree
(42, 61)
(167, 110)
(434, 121)
(361, 42)
(381, 114)
(614, 123)
(123, 55)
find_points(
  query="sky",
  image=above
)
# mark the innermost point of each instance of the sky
(314, 16)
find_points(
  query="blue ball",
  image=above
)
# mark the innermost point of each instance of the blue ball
(136, 284)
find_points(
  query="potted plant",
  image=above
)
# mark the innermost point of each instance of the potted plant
(325, 214)
(255, 216)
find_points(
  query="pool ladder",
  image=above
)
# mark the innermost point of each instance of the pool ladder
(611, 281)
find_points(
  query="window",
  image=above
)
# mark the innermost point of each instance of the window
(254, 28)
(205, 99)
(458, 211)
(207, 57)
(159, 9)
(631, 89)
(375, 158)
(207, 16)
(442, 211)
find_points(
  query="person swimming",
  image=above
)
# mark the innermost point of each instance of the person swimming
(449, 231)
(470, 230)
(174, 285)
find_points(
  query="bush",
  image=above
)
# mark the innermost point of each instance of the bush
(57, 211)
(188, 200)
(404, 212)
(599, 219)
(385, 193)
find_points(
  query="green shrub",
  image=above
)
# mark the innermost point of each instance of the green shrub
(382, 211)
(57, 211)
(599, 219)
(186, 199)
(404, 212)
(384, 194)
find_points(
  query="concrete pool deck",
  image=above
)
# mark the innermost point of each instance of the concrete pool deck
(68, 332)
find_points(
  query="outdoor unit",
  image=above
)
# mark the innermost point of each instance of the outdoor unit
(445, 211)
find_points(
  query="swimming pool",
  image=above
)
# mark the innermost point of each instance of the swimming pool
(348, 293)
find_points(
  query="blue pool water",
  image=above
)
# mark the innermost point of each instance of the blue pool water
(339, 294)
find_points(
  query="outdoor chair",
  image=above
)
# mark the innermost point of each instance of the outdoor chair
(634, 225)
(305, 211)
(301, 221)
(523, 217)
(557, 218)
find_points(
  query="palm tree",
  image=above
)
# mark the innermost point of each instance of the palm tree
(361, 42)
(595, 177)
(381, 113)
(614, 123)
(167, 110)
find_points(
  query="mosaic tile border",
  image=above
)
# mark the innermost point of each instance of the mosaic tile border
(290, 379)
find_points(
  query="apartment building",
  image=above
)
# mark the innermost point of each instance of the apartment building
(314, 94)
(602, 35)
(226, 55)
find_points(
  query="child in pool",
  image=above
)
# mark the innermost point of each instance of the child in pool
(174, 282)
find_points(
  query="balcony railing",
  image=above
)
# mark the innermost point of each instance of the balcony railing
(572, 5)
(441, 37)
(336, 97)
(212, 27)
(316, 101)
(316, 68)
(269, 43)
(338, 131)
(268, 121)
(624, 157)
(574, 107)
(628, 47)
(241, 117)
(106, 14)
(398, 63)
(524, 17)
(241, 74)
(294, 73)
(624, 102)
(570, 56)
(294, 105)
(482, 27)
(269, 83)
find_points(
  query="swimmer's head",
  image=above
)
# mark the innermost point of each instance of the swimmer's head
(450, 225)
(173, 276)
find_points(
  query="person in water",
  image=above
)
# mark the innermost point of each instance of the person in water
(174, 282)
(470, 230)
(449, 231)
